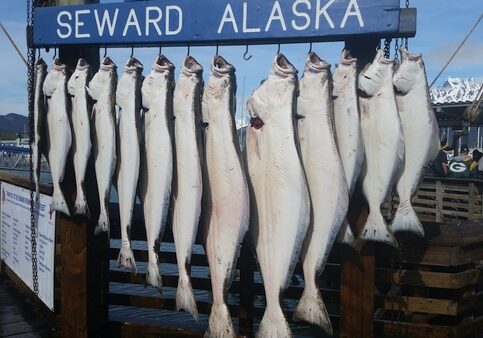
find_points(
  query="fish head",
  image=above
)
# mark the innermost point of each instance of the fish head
(278, 90)
(130, 80)
(409, 72)
(317, 72)
(191, 68)
(159, 80)
(375, 75)
(345, 74)
(56, 78)
(105, 80)
(79, 79)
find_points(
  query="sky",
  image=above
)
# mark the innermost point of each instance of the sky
(441, 26)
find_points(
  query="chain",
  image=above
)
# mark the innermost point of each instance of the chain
(31, 4)
(396, 50)
(387, 48)
(406, 40)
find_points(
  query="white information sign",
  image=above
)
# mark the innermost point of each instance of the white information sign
(15, 239)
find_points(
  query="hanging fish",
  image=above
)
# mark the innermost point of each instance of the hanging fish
(326, 181)
(60, 137)
(157, 157)
(188, 187)
(348, 127)
(81, 143)
(383, 143)
(280, 198)
(102, 89)
(421, 140)
(128, 98)
(226, 191)
(39, 122)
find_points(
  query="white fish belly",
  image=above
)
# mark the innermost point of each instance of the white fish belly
(159, 171)
(229, 204)
(282, 204)
(60, 136)
(81, 125)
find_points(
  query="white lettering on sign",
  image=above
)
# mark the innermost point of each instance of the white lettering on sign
(245, 19)
(180, 20)
(64, 24)
(153, 21)
(279, 16)
(297, 13)
(106, 21)
(323, 11)
(80, 23)
(228, 16)
(349, 12)
(132, 20)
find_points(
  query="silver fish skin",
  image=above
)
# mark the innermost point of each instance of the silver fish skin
(188, 185)
(39, 122)
(348, 128)
(157, 158)
(279, 193)
(81, 142)
(102, 89)
(326, 181)
(421, 139)
(59, 133)
(226, 189)
(128, 98)
(383, 143)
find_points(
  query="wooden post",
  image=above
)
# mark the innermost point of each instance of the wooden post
(357, 269)
(85, 262)
(247, 266)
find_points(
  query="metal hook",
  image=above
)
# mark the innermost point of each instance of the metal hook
(216, 52)
(105, 52)
(160, 49)
(132, 51)
(55, 53)
(188, 52)
(38, 54)
(278, 49)
(310, 48)
(245, 57)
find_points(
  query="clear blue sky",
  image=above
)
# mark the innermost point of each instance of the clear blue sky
(442, 24)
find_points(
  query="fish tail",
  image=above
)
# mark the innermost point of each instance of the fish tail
(346, 236)
(59, 203)
(311, 308)
(407, 220)
(153, 277)
(219, 324)
(102, 223)
(273, 325)
(126, 259)
(80, 206)
(185, 299)
(376, 229)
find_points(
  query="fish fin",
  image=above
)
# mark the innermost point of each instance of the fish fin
(311, 308)
(185, 299)
(59, 203)
(126, 259)
(80, 206)
(102, 224)
(407, 220)
(273, 325)
(376, 230)
(347, 236)
(219, 323)
(153, 277)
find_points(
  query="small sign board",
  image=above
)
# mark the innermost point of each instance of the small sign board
(15, 244)
(211, 22)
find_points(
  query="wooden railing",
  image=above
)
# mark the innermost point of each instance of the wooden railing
(444, 200)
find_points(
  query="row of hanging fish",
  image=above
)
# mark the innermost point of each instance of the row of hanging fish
(308, 144)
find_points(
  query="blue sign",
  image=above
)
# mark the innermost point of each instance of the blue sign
(211, 22)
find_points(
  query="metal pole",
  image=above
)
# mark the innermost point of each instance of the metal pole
(13, 43)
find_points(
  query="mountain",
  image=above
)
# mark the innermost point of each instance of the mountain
(456, 90)
(13, 124)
